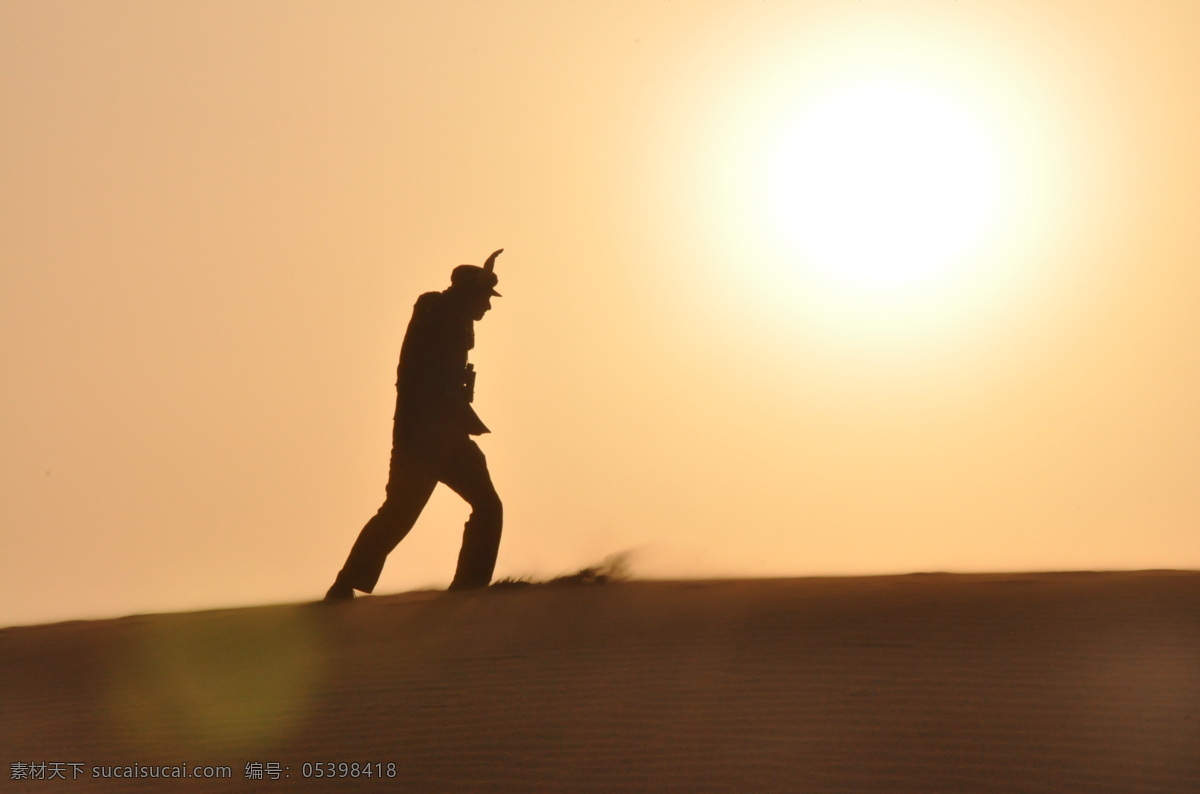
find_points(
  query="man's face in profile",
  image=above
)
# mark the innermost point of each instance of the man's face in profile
(479, 305)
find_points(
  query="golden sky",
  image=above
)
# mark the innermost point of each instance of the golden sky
(971, 345)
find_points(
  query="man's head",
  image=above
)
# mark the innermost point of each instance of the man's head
(476, 285)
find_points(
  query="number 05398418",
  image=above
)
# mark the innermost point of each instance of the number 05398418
(328, 769)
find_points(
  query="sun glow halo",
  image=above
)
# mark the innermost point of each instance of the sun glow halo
(873, 206)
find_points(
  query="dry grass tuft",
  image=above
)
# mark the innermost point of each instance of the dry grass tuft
(613, 568)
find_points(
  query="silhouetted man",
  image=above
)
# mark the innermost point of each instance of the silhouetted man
(431, 437)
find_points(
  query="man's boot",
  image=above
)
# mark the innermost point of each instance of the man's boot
(339, 592)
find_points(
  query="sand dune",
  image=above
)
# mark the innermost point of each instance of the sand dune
(922, 683)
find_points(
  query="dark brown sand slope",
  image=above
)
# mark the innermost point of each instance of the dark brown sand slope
(926, 683)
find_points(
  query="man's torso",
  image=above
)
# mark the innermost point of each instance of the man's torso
(432, 403)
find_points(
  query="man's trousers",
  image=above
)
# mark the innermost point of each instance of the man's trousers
(411, 480)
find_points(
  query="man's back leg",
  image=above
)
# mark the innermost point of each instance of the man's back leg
(409, 488)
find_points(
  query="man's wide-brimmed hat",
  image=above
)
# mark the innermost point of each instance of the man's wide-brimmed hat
(475, 278)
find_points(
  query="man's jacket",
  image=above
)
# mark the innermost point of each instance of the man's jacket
(432, 403)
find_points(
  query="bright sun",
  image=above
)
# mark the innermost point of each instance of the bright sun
(875, 198)
(881, 187)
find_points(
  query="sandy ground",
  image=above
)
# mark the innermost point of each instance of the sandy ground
(1064, 682)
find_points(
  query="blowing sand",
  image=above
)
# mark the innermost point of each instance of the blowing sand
(1063, 682)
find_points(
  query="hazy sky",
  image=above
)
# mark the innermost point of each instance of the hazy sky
(791, 288)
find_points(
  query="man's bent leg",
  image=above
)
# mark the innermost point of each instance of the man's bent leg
(466, 473)
(409, 488)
